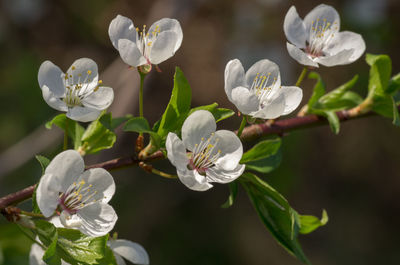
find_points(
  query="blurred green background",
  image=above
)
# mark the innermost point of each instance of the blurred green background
(354, 175)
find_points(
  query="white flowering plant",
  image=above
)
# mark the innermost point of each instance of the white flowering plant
(72, 217)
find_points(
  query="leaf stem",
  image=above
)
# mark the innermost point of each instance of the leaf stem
(163, 174)
(242, 125)
(142, 76)
(30, 236)
(301, 77)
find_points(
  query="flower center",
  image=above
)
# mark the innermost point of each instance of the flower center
(204, 155)
(146, 40)
(77, 196)
(262, 85)
(77, 89)
(321, 34)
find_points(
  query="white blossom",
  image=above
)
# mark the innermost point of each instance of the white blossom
(204, 155)
(317, 40)
(81, 197)
(77, 92)
(258, 92)
(146, 47)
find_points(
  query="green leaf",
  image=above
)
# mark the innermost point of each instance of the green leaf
(379, 74)
(383, 105)
(178, 106)
(233, 189)
(319, 89)
(46, 231)
(51, 256)
(109, 258)
(333, 120)
(394, 85)
(97, 136)
(275, 212)
(218, 113)
(261, 150)
(43, 161)
(140, 125)
(265, 165)
(74, 129)
(77, 248)
(309, 223)
(396, 118)
(336, 94)
(112, 123)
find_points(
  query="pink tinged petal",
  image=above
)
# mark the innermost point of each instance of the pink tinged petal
(341, 58)
(293, 96)
(102, 183)
(263, 67)
(130, 251)
(347, 40)
(245, 100)
(83, 114)
(163, 47)
(300, 56)
(176, 151)
(231, 149)
(66, 167)
(220, 175)
(51, 76)
(99, 99)
(272, 109)
(295, 29)
(320, 13)
(83, 70)
(193, 180)
(130, 53)
(199, 124)
(52, 100)
(167, 24)
(97, 219)
(121, 28)
(47, 194)
(234, 77)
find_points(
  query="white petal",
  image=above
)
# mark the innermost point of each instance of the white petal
(264, 68)
(130, 53)
(294, 28)
(83, 114)
(119, 259)
(234, 76)
(99, 99)
(97, 219)
(293, 96)
(55, 220)
(347, 40)
(83, 70)
(342, 57)
(220, 175)
(176, 151)
(70, 220)
(52, 100)
(121, 28)
(320, 15)
(102, 182)
(231, 149)
(193, 180)
(272, 109)
(163, 46)
(47, 194)
(129, 250)
(300, 56)
(245, 100)
(199, 124)
(51, 76)
(66, 167)
(36, 255)
(167, 24)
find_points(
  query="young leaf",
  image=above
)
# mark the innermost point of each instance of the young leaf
(379, 74)
(394, 85)
(319, 89)
(336, 94)
(112, 123)
(233, 189)
(140, 125)
(275, 212)
(265, 165)
(43, 161)
(97, 137)
(261, 150)
(46, 231)
(74, 129)
(333, 120)
(218, 113)
(309, 223)
(178, 106)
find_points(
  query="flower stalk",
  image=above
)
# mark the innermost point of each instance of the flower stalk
(301, 77)
(242, 125)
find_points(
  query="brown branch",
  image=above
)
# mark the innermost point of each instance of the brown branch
(251, 132)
